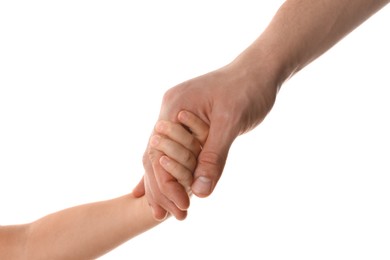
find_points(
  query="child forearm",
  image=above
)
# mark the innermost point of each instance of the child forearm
(87, 231)
(12, 241)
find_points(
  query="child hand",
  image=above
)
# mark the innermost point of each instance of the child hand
(181, 144)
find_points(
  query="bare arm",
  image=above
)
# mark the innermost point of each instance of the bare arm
(91, 230)
(83, 232)
(302, 30)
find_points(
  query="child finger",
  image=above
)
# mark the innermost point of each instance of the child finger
(174, 150)
(198, 128)
(179, 134)
(180, 173)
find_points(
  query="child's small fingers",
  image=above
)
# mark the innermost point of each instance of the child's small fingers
(174, 150)
(180, 173)
(198, 128)
(179, 134)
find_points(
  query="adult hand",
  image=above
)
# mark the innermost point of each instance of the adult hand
(237, 97)
(232, 100)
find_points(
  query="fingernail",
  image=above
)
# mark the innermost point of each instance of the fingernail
(160, 126)
(164, 161)
(156, 217)
(165, 217)
(182, 116)
(154, 140)
(202, 186)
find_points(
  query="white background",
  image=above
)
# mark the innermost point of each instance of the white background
(80, 90)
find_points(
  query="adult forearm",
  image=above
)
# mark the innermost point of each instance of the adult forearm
(302, 30)
(88, 231)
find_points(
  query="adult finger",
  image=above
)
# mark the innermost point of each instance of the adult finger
(211, 160)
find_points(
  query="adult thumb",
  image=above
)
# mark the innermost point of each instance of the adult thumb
(211, 161)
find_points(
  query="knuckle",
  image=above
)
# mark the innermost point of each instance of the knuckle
(188, 156)
(189, 159)
(175, 168)
(167, 96)
(163, 127)
(145, 158)
(186, 181)
(202, 137)
(213, 159)
(182, 174)
(195, 147)
(166, 188)
(167, 128)
(149, 156)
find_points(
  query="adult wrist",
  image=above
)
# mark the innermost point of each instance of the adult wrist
(263, 66)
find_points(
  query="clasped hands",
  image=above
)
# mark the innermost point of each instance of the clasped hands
(224, 104)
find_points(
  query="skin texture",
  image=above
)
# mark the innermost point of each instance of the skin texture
(236, 98)
(83, 232)
(91, 230)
